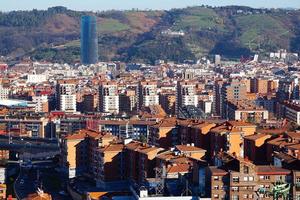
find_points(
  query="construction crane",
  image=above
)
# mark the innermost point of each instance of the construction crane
(279, 190)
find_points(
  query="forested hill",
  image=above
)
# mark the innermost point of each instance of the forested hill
(133, 36)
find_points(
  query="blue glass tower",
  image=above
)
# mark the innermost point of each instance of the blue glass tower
(89, 40)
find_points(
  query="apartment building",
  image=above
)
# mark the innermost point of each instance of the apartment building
(246, 111)
(4, 92)
(41, 103)
(109, 97)
(291, 111)
(195, 132)
(66, 95)
(167, 100)
(110, 164)
(164, 133)
(141, 161)
(126, 128)
(128, 101)
(255, 148)
(288, 143)
(236, 178)
(25, 126)
(229, 137)
(234, 91)
(90, 102)
(147, 94)
(186, 94)
(79, 151)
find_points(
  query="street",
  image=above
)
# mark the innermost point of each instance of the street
(39, 176)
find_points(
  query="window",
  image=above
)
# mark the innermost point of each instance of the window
(216, 196)
(216, 187)
(216, 178)
(279, 178)
(266, 177)
(245, 196)
(235, 179)
(235, 189)
(250, 196)
(251, 178)
(246, 170)
(245, 178)
(235, 197)
(298, 180)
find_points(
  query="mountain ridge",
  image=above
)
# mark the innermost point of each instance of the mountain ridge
(146, 36)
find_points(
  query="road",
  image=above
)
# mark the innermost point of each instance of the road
(25, 183)
(41, 176)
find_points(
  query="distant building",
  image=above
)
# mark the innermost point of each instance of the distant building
(90, 102)
(66, 95)
(109, 97)
(231, 91)
(4, 92)
(246, 111)
(217, 60)
(186, 94)
(36, 78)
(89, 40)
(41, 103)
(128, 101)
(147, 94)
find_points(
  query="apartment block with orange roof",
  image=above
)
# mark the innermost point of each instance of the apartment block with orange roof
(78, 151)
(255, 148)
(140, 161)
(110, 164)
(246, 111)
(164, 133)
(229, 137)
(195, 132)
(238, 178)
(288, 143)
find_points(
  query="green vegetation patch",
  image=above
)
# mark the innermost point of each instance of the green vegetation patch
(257, 28)
(111, 25)
(199, 19)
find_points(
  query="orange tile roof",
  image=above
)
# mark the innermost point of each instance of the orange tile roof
(271, 170)
(179, 168)
(239, 123)
(168, 122)
(81, 134)
(134, 145)
(112, 148)
(189, 148)
(256, 136)
(217, 171)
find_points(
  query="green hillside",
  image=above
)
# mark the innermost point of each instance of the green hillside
(132, 36)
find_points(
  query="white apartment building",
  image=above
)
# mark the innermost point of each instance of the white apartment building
(68, 103)
(292, 112)
(109, 97)
(147, 94)
(36, 78)
(4, 92)
(41, 103)
(66, 95)
(186, 94)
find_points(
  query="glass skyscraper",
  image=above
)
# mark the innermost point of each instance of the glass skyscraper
(89, 40)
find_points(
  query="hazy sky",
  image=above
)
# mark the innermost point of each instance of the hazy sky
(8, 5)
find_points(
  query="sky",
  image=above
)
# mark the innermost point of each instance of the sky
(95, 5)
